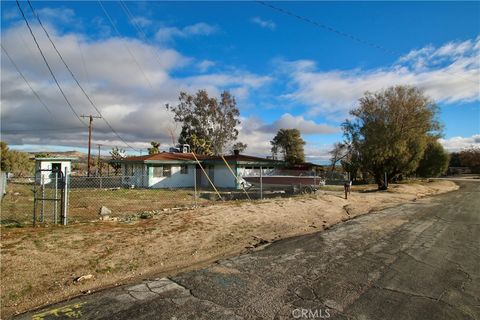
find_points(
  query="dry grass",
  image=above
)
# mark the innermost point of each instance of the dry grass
(38, 265)
(85, 203)
(17, 204)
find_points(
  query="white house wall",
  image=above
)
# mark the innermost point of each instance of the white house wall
(223, 177)
(141, 175)
(176, 179)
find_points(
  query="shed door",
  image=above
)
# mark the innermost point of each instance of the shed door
(56, 167)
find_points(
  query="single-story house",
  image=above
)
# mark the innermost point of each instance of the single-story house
(181, 170)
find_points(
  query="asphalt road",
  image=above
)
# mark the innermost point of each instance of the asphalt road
(416, 261)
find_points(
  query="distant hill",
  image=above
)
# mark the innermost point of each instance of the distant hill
(63, 154)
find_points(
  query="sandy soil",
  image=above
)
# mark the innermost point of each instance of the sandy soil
(39, 265)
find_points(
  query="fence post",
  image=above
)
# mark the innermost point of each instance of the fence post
(261, 183)
(195, 185)
(55, 212)
(42, 188)
(35, 201)
(65, 198)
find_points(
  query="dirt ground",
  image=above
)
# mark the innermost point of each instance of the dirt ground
(39, 265)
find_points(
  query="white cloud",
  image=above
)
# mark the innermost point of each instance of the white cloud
(288, 121)
(257, 134)
(268, 24)
(113, 80)
(204, 65)
(448, 74)
(459, 143)
(166, 34)
(64, 15)
(141, 21)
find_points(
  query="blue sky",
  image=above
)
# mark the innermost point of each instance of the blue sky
(285, 72)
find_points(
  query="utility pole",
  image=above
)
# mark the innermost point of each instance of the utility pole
(99, 164)
(89, 139)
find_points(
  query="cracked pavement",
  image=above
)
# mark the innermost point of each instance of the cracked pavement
(416, 261)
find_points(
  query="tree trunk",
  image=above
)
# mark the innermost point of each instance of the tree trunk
(380, 181)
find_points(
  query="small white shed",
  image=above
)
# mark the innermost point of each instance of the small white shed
(52, 164)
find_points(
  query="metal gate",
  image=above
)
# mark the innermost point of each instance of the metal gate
(50, 197)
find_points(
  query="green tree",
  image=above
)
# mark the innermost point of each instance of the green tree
(455, 160)
(338, 152)
(240, 146)
(155, 147)
(351, 163)
(435, 160)
(208, 124)
(290, 143)
(116, 154)
(16, 162)
(471, 158)
(390, 130)
(5, 165)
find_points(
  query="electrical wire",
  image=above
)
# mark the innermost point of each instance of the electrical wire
(76, 80)
(48, 65)
(346, 35)
(26, 81)
(139, 29)
(126, 46)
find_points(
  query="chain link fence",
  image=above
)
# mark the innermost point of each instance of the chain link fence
(121, 196)
(125, 196)
(17, 202)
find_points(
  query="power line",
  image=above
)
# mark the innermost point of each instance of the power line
(345, 34)
(326, 27)
(26, 81)
(75, 78)
(126, 46)
(139, 29)
(48, 65)
(87, 75)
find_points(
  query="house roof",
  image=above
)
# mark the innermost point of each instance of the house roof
(242, 158)
(164, 157)
(176, 157)
(55, 159)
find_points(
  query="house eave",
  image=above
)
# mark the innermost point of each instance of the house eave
(153, 161)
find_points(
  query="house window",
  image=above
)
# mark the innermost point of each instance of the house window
(162, 171)
(184, 169)
(167, 171)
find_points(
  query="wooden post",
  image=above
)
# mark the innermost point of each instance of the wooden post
(89, 140)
